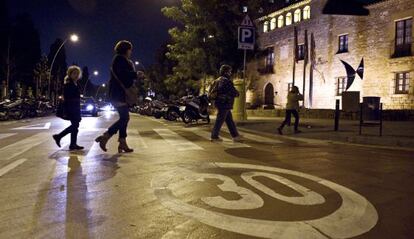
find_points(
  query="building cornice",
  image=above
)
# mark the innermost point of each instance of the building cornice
(283, 10)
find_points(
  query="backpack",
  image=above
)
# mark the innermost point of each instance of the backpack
(213, 91)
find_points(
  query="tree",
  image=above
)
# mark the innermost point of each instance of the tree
(41, 74)
(205, 38)
(4, 47)
(59, 68)
(25, 50)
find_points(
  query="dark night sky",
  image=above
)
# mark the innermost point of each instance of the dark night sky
(99, 24)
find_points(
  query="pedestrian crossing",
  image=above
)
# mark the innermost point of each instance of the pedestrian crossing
(149, 140)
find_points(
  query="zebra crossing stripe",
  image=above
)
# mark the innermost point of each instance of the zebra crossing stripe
(227, 143)
(3, 136)
(11, 166)
(258, 138)
(179, 142)
(20, 147)
(136, 140)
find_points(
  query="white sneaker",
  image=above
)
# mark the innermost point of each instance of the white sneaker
(238, 139)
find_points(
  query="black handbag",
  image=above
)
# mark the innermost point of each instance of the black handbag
(60, 111)
(131, 93)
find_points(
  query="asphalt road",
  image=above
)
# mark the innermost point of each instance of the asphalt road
(177, 184)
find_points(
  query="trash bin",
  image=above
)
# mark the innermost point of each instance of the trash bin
(371, 108)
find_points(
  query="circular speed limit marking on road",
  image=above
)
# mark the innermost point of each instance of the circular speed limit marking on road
(355, 215)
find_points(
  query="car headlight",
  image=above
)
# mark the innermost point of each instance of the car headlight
(90, 107)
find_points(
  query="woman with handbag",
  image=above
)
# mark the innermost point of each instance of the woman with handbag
(122, 93)
(71, 108)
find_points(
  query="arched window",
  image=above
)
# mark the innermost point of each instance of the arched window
(297, 15)
(273, 24)
(266, 26)
(306, 12)
(288, 19)
(280, 21)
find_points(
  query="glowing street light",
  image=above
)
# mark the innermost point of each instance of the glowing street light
(96, 73)
(73, 38)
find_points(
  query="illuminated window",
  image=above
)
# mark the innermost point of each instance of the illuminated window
(288, 19)
(297, 15)
(273, 24)
(280, 21)
(341, 85)
(266, 26)
(306, 13)
(402, 82)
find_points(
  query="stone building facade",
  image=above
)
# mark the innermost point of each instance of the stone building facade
(383, 39)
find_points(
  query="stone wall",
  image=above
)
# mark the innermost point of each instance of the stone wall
(370, 37)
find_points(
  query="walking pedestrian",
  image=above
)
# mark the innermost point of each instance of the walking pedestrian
(122, 72)
(223, 93)
(71, 107)
(292, 108)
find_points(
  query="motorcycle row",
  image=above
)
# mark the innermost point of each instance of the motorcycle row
(25, 108)
(189, 109)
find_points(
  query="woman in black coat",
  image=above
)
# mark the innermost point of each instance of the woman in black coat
(122, 71)
(71, 104)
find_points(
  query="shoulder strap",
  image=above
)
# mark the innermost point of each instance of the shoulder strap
(117, 79)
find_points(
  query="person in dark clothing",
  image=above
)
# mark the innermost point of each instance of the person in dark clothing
(71, 104)
(224, 103)
(122, 70)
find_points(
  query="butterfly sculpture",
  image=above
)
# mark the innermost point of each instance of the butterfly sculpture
(351, 72)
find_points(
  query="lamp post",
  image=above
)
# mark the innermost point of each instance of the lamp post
(73, 38)
(96, 74)
(97, 91)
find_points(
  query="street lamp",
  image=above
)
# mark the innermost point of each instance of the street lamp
(73, 38)
(95, 73)
(97, 91)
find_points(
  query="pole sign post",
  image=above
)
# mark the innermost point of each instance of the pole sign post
(247, 38)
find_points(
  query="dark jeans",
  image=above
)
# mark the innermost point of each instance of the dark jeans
(122, 124)
(73, 130)
(224, 115)
(288, 116)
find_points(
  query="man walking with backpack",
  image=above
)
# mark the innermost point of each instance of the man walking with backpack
(222, 92)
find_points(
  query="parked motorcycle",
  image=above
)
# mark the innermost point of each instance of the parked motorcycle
(15, 109)
(195, 109)
(4, 113)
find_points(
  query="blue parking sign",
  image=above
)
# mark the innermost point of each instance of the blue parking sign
(246, 38)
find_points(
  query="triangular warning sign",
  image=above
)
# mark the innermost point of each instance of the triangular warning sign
(247, 22)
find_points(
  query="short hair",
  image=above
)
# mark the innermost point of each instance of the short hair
(224, 69)
(122, 47)
(72, 69)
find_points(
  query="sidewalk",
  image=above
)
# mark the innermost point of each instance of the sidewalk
(395, 133)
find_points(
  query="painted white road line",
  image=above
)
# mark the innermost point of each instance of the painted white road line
(20, 147)
(259, 139)
(11, 166)
(35, 126)
(3, 136)
(137, 141)
(227, 143)
(180, 143)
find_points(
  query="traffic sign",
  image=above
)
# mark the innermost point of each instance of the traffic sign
(247, 34)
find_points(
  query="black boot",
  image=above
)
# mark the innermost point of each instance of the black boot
(73, 142)
(57, 139)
